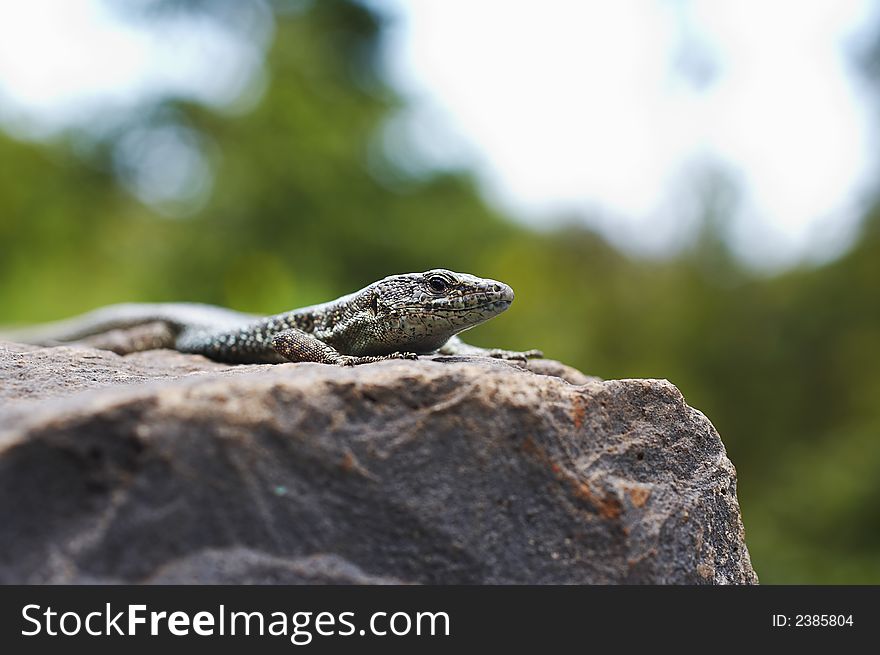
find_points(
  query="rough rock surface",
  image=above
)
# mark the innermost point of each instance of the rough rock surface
(164, 467)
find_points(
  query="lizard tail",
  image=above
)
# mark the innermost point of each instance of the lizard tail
(102, 320)
(176, 316)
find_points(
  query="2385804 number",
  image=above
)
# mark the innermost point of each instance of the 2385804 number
(822, 620)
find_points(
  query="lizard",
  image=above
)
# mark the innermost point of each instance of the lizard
(398, 317)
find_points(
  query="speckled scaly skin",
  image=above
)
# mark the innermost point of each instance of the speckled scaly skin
(398, 317)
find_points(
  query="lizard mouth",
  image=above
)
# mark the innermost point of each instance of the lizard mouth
(448, 309)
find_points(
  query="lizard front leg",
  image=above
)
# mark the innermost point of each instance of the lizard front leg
(298, 346)
(456, 346)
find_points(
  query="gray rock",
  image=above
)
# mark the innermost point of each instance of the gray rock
(164, 467)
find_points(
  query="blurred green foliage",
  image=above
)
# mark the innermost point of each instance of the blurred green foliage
(305, 207)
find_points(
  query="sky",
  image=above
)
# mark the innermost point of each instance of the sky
(624, 112)
(628, 115)
(63, 60)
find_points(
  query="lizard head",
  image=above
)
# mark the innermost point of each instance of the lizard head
(421, 311)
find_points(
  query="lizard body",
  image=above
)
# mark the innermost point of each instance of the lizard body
(398, 317)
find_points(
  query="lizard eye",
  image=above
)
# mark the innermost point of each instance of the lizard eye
(374, 304)
(437, 284)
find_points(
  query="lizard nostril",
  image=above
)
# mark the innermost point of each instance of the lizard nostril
(496, 288)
